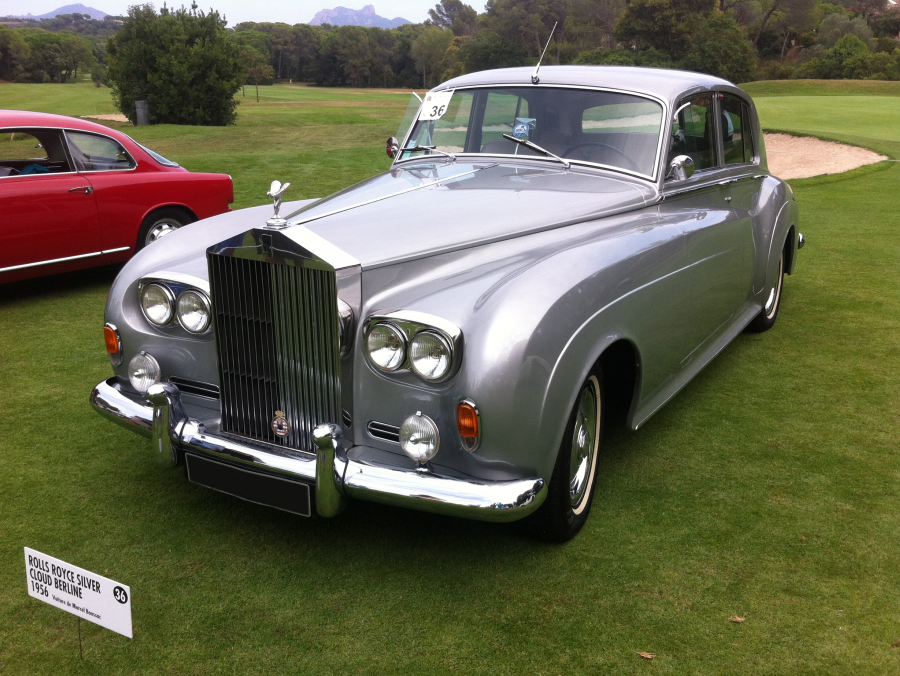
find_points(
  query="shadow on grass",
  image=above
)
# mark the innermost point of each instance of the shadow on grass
(56, 286)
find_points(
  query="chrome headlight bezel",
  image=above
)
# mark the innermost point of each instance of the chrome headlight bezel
(207, 307)
(403, 351)
(411, 323)
(167, 294)
(414, 362)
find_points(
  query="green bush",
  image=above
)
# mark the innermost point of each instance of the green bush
(182, 62)
(719, 47)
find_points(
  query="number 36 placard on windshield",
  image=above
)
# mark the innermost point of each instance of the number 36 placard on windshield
(435, 105)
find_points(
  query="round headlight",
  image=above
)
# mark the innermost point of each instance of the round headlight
(157, 303)
(430, 355)
(143, 371)
(419, 438)
(386, 346)
(193, 311)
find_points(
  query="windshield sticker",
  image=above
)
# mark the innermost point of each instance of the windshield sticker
(435, 105)
(523, 126)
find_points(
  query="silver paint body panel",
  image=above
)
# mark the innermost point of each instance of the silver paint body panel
(541, 267)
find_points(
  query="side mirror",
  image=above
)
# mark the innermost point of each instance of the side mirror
(681, 168)
(392, 148)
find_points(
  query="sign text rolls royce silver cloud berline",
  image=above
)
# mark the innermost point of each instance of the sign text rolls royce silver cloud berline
(451, 335)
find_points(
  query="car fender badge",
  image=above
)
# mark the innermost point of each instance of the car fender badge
(280, 425)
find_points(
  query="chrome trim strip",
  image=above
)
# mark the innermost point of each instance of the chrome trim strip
(302, 221)
(428, 491)
(178, 278)
(64, 260)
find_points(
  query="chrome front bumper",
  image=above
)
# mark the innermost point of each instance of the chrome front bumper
(160, 416)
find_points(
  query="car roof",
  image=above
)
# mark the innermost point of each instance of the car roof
(663, 83)
(25, 118)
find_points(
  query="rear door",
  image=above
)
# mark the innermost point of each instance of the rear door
(718, 245)
(48, 213)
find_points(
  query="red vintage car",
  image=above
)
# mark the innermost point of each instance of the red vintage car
(75, 194)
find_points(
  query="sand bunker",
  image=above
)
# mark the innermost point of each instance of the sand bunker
(112, 117)
(803, 156)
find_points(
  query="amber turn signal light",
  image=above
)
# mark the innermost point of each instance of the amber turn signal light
(468, 424)
(113, 344)
(112, 340)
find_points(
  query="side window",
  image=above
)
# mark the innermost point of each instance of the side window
(26, 152)
(736, 131)
(21, 153)
(692, 133)
(92, 152)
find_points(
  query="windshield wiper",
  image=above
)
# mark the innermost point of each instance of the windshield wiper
(535, 146)
(432, 148)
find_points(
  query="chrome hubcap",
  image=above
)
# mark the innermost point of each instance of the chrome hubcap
(584, 439)
(162, 228)
(775, 296)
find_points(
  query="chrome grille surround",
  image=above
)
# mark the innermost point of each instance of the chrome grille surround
(277, 330)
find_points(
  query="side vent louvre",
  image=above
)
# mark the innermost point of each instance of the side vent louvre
(384, 431)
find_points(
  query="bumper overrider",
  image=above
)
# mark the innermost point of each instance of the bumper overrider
(234, 465)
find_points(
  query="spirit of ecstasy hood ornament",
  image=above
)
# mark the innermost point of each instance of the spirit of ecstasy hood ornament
(275, 192)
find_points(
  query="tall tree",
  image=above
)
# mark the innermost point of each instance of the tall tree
(14, 53)
(454, 15)
(429, 49)
(666, 25)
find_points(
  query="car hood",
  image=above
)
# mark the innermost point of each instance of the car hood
(417, 210)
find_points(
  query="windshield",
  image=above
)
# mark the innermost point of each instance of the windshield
(606, 128)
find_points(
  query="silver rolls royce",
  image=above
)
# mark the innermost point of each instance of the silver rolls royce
(453, 334)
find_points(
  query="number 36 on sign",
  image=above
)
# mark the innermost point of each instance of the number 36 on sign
(435, 105)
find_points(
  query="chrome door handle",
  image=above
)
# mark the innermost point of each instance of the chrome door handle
(86, 188)
(728, 199)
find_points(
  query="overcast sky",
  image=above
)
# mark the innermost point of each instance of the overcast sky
(298, 11)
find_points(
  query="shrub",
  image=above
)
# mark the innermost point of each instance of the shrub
(182, 62)
(719, 47)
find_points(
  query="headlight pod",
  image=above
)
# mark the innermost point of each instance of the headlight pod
(386, 347)
(408, 340)
(430, 355)
(193, 311)
(157, 304)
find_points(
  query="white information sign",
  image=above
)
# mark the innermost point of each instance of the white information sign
(78, 591)
(435, 105)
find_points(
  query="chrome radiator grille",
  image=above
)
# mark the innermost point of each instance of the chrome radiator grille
(277, 338)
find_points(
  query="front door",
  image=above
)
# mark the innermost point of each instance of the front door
(48, 211)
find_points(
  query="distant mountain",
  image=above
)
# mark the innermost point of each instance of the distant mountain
(343, 16)
(67, 9)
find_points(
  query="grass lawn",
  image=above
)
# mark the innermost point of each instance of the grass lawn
(768, 489)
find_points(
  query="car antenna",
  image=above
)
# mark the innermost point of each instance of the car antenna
(534, 76)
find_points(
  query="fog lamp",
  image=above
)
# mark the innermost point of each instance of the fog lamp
(143, 371)
(193, 311)
(419, 438)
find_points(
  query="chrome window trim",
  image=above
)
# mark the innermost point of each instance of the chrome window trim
(653, 178)
(53, 261)
(66, 133)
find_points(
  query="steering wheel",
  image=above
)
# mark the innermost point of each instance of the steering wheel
(625, 157)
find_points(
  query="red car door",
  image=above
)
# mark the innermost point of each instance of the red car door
(48, 213)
